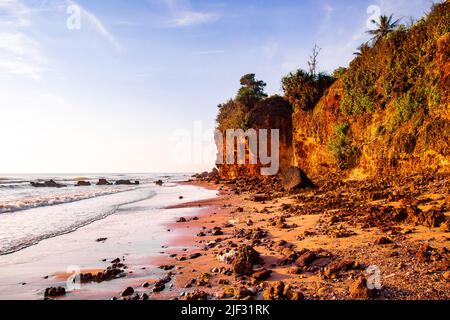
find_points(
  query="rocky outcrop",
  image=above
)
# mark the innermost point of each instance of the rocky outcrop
(47, 184)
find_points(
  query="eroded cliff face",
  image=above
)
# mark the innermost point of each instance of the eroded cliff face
(270, 113)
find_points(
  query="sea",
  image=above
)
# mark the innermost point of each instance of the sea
(29, 215)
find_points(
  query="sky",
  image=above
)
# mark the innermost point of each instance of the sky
(98, 86)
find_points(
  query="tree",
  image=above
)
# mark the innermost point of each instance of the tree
(313, 63)
(362, 49)
(251, 91)
(384, 26)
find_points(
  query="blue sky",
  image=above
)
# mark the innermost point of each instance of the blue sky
(110, 96)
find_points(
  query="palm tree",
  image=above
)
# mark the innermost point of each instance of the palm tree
(362, 49)
(385, 26)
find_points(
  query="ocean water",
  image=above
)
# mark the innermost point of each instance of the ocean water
(29, 215)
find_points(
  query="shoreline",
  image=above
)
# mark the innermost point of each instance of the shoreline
(135, 234)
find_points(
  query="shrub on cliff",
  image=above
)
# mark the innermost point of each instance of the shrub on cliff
(341, 148)
(303, 90)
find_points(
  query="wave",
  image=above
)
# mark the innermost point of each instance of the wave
(50, 199)
(46, 223)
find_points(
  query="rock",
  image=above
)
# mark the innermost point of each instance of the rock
(260, 198)
(145, 285)
(203, 280)
(159, 182)
(359, 290)
(47, 184)
(159, 287)
(195, 255)
(295, 178)
(291, 294)
(126, 182)
(195, 296)
(101, 239)
(431, 219)
(446, 275)
(83, 184)
(103, 182)
(182, 220)
(245, 259)
(127, 292)
(333, 268)
(274, 292)
(382, 241)
(242, 293)
(261, 275)
(445, 226)
(167, 267)
(54, 292)
(306, 259)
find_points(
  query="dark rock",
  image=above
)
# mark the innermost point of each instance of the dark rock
(103, 182)
(295, 178)
(159, 182)
(83, 184)
(127, 292)
(306, 259)
(262, 275)
(54, 292)
(47, 184)
(382, 241)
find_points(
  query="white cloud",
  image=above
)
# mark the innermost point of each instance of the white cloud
(184, 16)
(98, 25)
(20, 54)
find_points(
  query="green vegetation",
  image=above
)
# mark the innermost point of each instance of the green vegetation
(303, 90)
(251, 91)
(235, 114)
(385, 26)
(398, 68)
(341, 148)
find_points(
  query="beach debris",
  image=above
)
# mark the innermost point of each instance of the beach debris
(101, 239)
(53, 292)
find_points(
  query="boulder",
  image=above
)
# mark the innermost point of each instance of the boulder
(360, 291)
(83, 184)
(54, 292)
(127, 292)
(159, 182)
(245, 259)
(103, 182)
(124, 183)
(295, 178)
